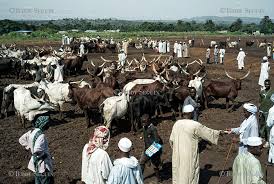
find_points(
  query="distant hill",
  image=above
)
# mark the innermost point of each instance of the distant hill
(202, 19)
(225, 20)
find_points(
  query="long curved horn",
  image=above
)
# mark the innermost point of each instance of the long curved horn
(102, 71)
(229, 76)
(167, 76)
(158, 58)
(163, 72)
(185, 72)
(102, 65)
(204, 75)
(89, 72)
(109, 61)
(91, 62)
(136, 61)
(201, 61)
(197, 72)
(246, 75)
(130, 63)
(154, 70)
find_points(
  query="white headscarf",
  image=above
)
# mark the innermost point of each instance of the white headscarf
(250, 108)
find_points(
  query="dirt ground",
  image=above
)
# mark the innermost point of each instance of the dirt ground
(67, 138)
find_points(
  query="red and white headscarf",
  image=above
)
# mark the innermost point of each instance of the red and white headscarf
(100, 139)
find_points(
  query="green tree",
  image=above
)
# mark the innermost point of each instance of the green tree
(210, 26)
(266, 25)
(236, 26)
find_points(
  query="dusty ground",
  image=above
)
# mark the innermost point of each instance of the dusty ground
(67, 138)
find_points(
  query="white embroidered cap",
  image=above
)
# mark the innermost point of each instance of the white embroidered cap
(254, 141)
(188, 108)
(124, 144)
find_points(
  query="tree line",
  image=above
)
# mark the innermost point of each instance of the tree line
(265, 26)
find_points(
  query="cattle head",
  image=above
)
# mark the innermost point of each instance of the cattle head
(238, 81)
(71, 94)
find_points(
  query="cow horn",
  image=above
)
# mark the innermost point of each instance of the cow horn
(246, 75)
(167, 76)
(204, 75)
(101, 72)
(185, 72)
(158, 58)
(229, 76)
(163, 71)
(197, 72)
(89, 72)
(106, 60)
(201, 61)
(136, 61)
(91, 62)
(102, 65)
(154, 70)
(130, 63)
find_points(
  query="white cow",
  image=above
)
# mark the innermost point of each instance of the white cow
(57, 93)
(233, 44)
(27, 107)
(8, 95)
(212, 43)
(114, 107)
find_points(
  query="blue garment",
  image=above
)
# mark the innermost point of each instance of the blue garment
(126, 171)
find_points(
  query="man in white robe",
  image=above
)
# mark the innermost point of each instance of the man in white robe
(58, 72)
(41, 161)
(185, 50)
(96, 164)
(179, 50)
(175, 48)
(82, 49)
(184, 139)
(248, 128)
(126, 170)
(160, 45)
(168, 46)
(265, 68)
(125, 46)
(246, 167)
(122, 60)
(240, 59)
(270, 124)
(164, 47)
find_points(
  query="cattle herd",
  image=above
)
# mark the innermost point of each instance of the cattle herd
(150, 83)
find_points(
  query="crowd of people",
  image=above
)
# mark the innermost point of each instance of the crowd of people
(98, 168)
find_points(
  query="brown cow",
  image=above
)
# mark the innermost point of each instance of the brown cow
(228, 90)
(73, 65)
(89, 100)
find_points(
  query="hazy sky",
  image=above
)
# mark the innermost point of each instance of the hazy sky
(133, 9)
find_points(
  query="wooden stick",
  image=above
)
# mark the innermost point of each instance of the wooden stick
(227, 156)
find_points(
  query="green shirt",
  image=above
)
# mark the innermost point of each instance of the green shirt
(265, 101)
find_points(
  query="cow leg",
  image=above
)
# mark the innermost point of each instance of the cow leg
(22, 120)
(87, 118)
(233, 105)
(227, 103)
(180, 111)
